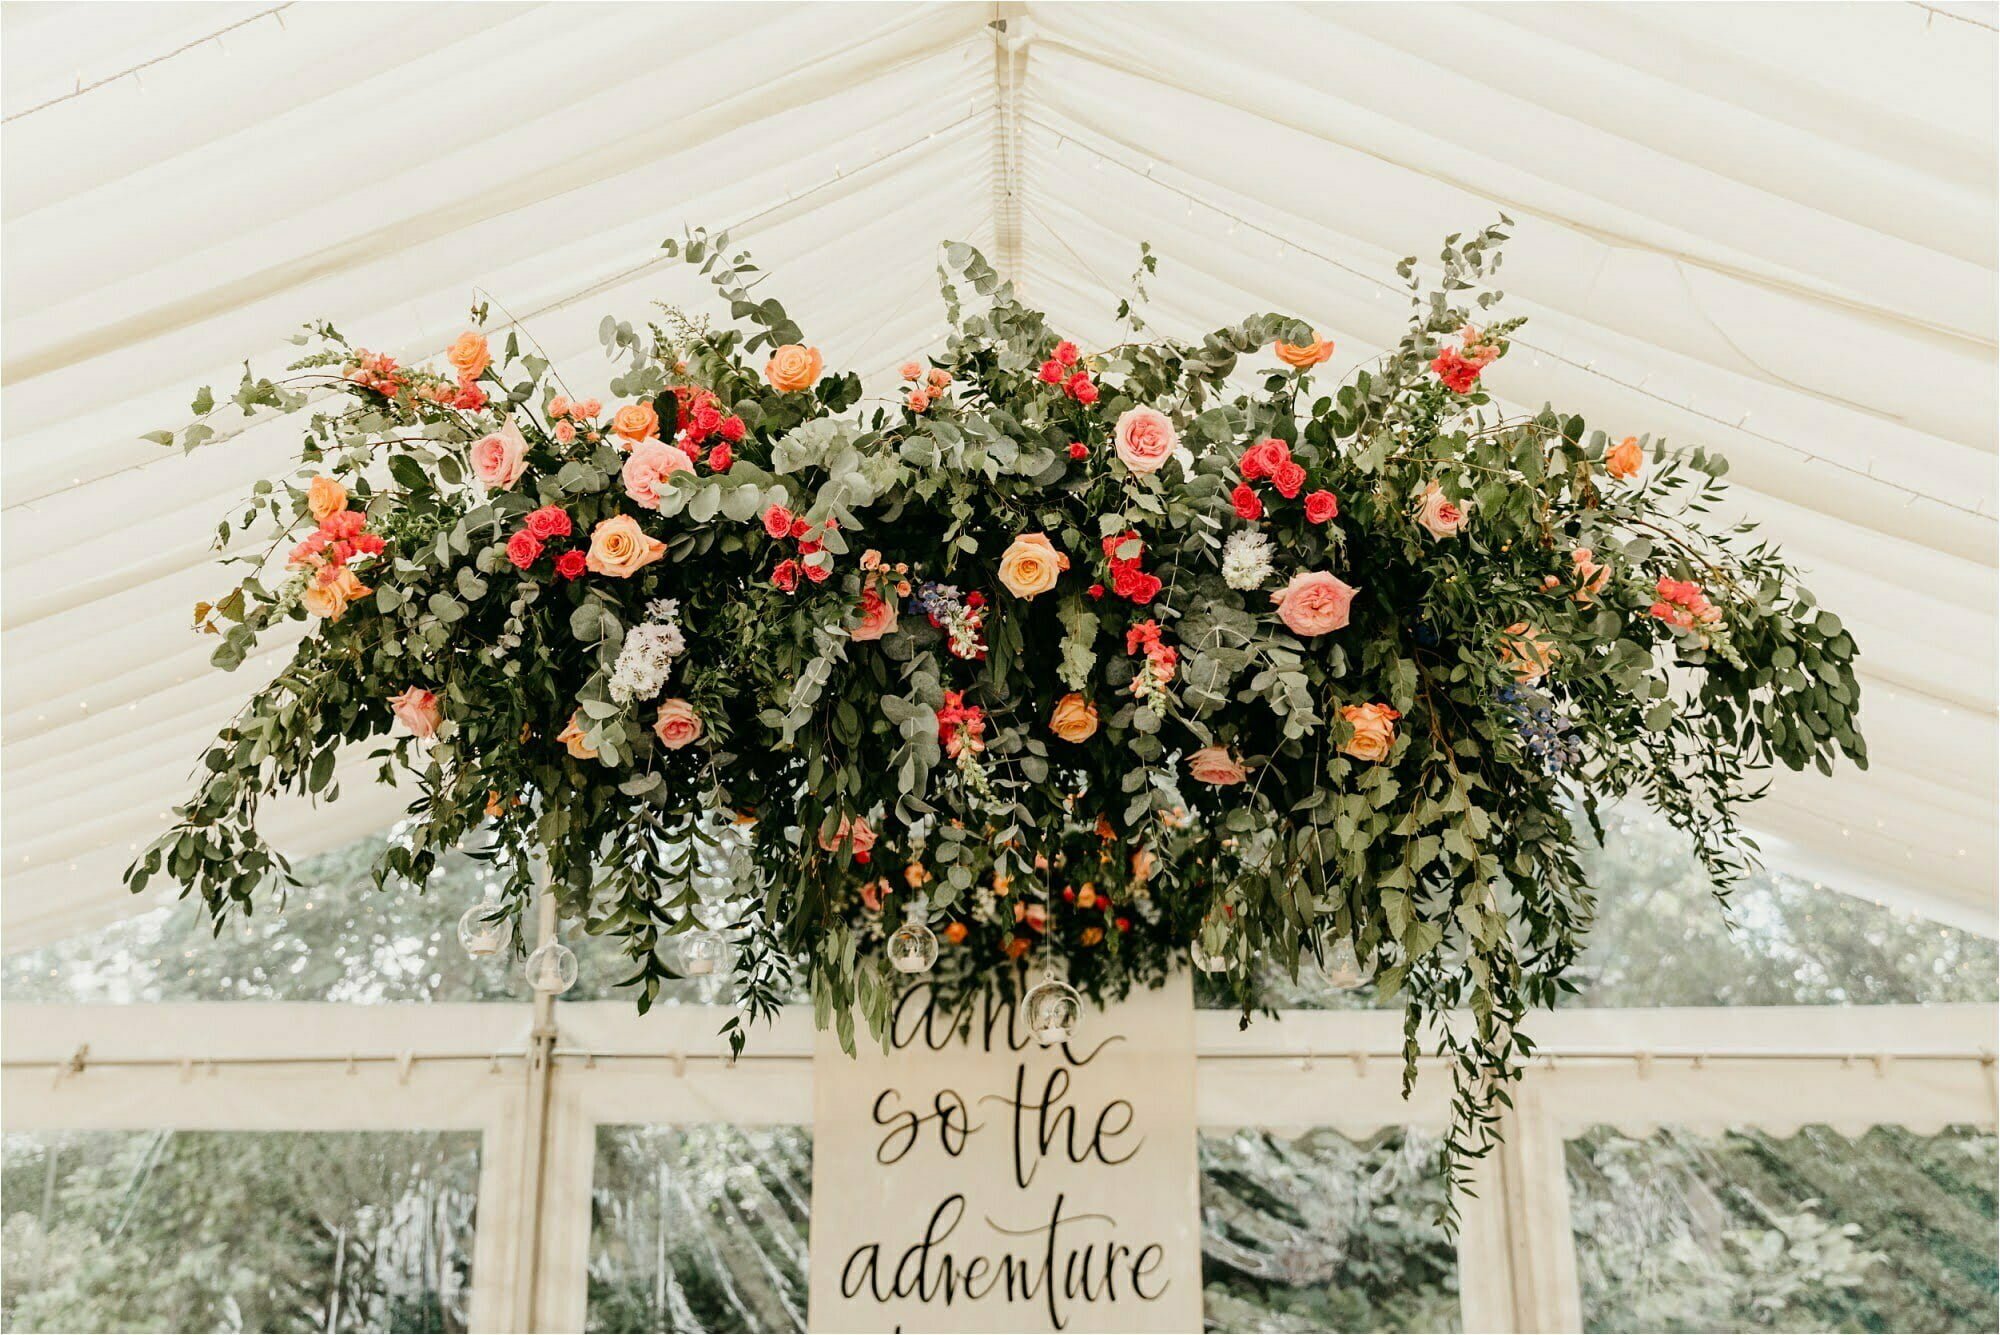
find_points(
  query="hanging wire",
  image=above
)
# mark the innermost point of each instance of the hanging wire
(132, 71)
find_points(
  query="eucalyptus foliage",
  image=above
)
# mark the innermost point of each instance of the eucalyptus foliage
(1524, 680)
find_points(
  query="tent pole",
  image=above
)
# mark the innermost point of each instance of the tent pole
(538, 1090)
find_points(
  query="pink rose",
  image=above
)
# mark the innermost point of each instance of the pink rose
(877, 617)
(856, 832)
(1144, 437)
(417, 709)
(1439, 517)
(499, 460)
(1214, 765)
(647, 469)
(678, 724)
(1314, 603)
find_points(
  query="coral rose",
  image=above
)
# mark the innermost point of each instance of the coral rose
(469, 355)
(856, 831)
(1144, 438)
(417, 709)
(877, 617)
(792, 368)
(1439, 516)
(1303, 356)
(1314, 603)
(619, 548)
(499, 459)
(572, 738)
(1625, 459)
(325, 497)
(1075, 718)
(1322, 506)
(331, 597)
(524, 549)
(1030, 565)
(648, 469)
(635, 422)
(1214, 765)
(678, 724)
(1591, 575)
(1374, 731)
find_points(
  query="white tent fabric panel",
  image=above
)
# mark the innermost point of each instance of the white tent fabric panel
(1768, 230)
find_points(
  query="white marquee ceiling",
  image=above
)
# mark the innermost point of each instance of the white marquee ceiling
(1768, 230)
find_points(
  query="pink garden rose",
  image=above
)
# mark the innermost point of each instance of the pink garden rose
(499, 460)
(855, 832)
(877, 617)
(1144, 437)
(648, 468)
(417, 709)
(1314, 603)
(1439, 517)
(1214, 764)
(678, 724)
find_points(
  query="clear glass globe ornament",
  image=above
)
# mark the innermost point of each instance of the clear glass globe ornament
(1053, 1009)
(702, 954)
(1200, 956)
(913, 947)
(551, 967)
(1344, 968)
(484, 930)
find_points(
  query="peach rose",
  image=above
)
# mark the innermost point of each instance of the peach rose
(678, 725)
(1625, 459)
(331, 597)
(469, 355)
(1374, 731)
(1439, 516)
(1144, 438)
(1214, 764)
(417, 709)
(1303, 356)
(792, 368)
(648, 468)
(1528, 652)
(877, 617)
(1314, 603)
(1030, 565)
(635, 422)
(572, 737)
(856, 832)
(619, 548)
(1075, 718)
(325, 497)
(1591, 576)
(499, 459)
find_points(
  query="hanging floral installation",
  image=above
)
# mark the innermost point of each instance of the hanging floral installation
(1079, 662)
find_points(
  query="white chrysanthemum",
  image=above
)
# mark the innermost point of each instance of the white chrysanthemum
(1246, 559)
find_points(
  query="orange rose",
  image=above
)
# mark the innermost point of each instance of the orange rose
(1075, 718)
(620, 549)
(572, 737)
(1625, 459)
(469, 355)
(1017, 946)
(1030, 565)
(1374, 731)
(635, 422)
(1214, 765)
(792, 368)
(954, 932)
(331, 598)
(325, 497)
(1301, 357)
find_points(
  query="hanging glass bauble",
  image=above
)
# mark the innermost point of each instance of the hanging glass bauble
(484, 929)
(1200, 957)
(703, 954)
(1053, 1009)
(551, 967)
(1344, 968)
(913, 947)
